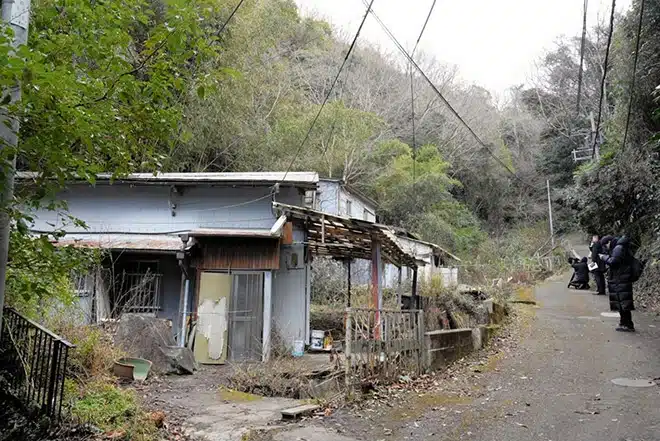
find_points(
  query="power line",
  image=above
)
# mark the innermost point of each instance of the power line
(412, 90)
(222, 28)
(634, 73)
(582, 44)
(602, 82)
(447, 103)
(327, 96)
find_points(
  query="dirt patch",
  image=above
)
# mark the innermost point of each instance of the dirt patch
(441, 394)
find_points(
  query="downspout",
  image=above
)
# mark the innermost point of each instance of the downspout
(182, 332)
(185, 286)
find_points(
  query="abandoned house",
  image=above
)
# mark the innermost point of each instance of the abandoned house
(224, 257)
(206, 246)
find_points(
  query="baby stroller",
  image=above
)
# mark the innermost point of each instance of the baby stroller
(580, 277)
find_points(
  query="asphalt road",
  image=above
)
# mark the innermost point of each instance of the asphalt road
(555, 385)
(558, 384)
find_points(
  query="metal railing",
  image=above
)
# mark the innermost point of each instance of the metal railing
(33, 360)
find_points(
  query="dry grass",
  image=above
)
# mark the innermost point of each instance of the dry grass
(94, 354)
(280, 377)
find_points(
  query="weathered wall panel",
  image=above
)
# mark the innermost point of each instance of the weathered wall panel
(146, 209)
(238, 254)
(290, 297)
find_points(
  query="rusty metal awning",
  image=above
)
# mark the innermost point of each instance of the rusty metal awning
(126, 242)
(231, 232)
(342, 237)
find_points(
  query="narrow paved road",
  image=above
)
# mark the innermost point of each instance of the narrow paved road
(556, 386)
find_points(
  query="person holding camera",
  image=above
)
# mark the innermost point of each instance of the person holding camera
(599, 272)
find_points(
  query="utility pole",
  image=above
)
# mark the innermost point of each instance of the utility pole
(16, 14)
(552, 231)
(595, 137)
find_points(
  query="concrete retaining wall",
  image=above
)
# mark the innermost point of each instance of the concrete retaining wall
(445, 346)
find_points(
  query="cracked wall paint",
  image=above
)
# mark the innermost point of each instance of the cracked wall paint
(212, 325)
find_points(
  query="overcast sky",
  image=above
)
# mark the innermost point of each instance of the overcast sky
(493, 43)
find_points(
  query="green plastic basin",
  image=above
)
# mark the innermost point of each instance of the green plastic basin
(138, 367)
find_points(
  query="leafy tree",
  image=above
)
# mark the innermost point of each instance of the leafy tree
(103, 84)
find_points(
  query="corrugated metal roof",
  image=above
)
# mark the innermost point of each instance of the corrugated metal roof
(231, 232)
(136, 242)
(400, 236)
(301, 178)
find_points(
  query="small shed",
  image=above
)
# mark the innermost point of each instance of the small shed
(349, 238)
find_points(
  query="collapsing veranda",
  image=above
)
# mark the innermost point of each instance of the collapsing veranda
(380, 343)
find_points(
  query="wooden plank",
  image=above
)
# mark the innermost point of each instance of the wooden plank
(299, 411)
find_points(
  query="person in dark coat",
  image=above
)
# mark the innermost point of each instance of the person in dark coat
(580, 279)
(620, 282)
(599, 273)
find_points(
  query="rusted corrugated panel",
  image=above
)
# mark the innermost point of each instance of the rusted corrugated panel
(287, 233)
(238, 254)
(143, 242)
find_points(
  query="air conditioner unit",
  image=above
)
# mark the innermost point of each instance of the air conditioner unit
(295, 257)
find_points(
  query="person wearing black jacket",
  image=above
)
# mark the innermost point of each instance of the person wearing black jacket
(620, 282)
(599, 273)
(580, 279)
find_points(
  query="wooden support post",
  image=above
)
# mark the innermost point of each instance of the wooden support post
(376, 283)
(399, 288)
(347, 350)
(415, 299)
(323, 228)
(348, 271)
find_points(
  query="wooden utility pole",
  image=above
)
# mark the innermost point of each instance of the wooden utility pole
(15, 13)
(552, 231)
(595, 137)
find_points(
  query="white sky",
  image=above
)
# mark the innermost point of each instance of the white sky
(494, 43)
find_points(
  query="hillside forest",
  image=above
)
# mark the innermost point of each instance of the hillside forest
(179, 85)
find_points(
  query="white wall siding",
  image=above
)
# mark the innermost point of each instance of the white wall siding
(327, 199)
(334, 198)
(146, 209)
(290, 297)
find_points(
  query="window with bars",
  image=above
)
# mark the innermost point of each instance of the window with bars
(83, 284)
(137, 287)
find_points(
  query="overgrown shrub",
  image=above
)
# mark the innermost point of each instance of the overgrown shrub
(94, 354)
(115, 411)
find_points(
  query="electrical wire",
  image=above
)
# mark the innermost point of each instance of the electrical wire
(222, 28)
(602, 82)
(634, 73)
(412, 90)
(448, 104)
(327, 95)
(582, 45)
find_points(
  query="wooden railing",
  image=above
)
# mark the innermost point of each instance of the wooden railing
(382, 345)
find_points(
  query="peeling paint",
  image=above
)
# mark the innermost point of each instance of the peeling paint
(212, 325)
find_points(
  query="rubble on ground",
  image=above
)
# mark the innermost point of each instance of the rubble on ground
(151, 338)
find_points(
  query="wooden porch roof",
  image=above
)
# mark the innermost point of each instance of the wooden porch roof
(342, 237)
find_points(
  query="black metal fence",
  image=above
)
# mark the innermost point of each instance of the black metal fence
(33, 360)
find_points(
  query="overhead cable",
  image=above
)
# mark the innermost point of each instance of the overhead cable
(602, 82)
(634, 73)
(447, 103)
(327, 95)
(582, 45)
(412, 89)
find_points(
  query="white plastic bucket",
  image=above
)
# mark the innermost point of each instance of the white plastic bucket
(317, 339)
(298, 348)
